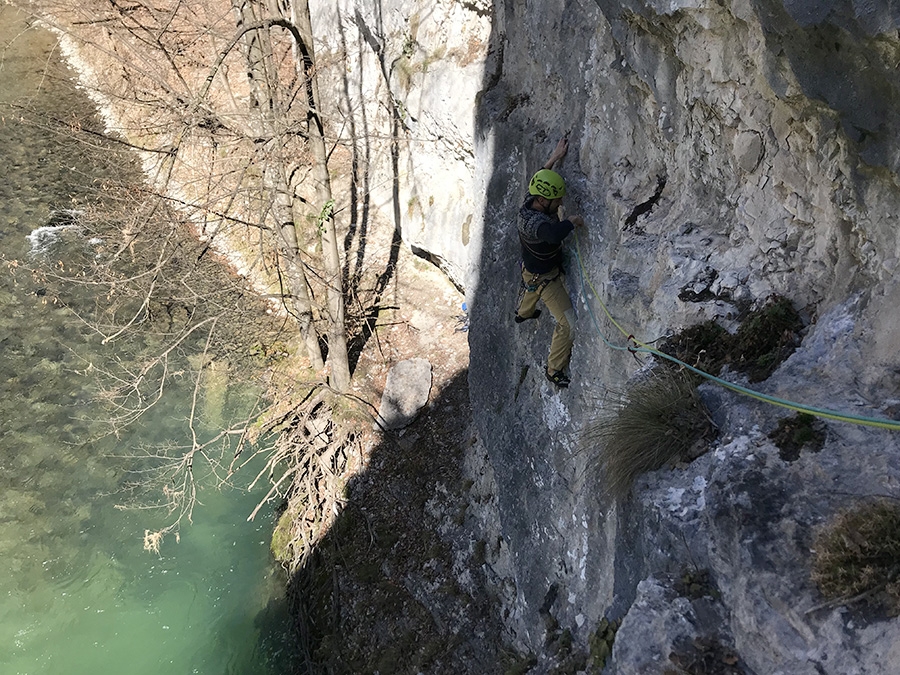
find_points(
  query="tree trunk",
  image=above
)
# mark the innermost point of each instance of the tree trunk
(263, 81)
(338, 359)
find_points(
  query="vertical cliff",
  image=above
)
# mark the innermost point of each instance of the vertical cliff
(726, 152)
(722, 152)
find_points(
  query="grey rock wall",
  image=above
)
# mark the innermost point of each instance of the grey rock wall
(724, 152)
(721, 151)
(401, 78)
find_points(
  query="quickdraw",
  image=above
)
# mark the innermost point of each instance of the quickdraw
(634, 347)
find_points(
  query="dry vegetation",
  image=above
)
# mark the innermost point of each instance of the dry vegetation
(857, 557)
(175, 83)
(658, 421)
(173, 76)
(766, 336)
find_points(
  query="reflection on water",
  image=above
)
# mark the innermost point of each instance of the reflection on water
(78, 593)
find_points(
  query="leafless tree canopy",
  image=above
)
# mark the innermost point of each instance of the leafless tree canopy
(223, 101)
(220, 103)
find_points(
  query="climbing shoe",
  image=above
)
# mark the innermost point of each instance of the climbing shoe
(559, 378)
(520, 319)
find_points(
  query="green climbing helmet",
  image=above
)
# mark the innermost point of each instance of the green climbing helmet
(547, 184)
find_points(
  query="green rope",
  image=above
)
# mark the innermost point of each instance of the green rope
(637, 346)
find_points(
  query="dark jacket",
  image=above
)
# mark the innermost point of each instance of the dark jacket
(541, 236)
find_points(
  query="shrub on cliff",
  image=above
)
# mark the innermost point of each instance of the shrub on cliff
(857, 557)
(765, 338)
(660, 420)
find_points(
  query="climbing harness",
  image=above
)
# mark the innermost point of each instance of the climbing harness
(536, 286)
(634, 346)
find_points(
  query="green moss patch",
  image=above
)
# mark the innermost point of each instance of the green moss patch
(283, 536)
(694, 584)
(703, 656)
(519, 665)
(600, 644)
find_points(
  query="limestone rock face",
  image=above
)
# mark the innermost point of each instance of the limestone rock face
(720, 152)
(407, 89)
(405, 393)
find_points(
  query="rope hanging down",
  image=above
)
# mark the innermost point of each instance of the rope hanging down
(634, 345)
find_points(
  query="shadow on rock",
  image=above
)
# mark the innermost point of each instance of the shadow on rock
(396, 585)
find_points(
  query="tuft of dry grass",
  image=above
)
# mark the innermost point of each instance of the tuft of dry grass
(659, 421)
(857, 556)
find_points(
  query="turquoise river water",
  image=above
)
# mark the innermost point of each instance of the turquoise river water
(78, 594)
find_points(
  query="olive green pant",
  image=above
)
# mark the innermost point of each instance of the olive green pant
(555, 296)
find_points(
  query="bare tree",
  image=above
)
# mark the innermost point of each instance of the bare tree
(222, 102)
(341, 368)
(275, 118)
(232, 152)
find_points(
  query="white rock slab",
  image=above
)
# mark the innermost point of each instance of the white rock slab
(405, 393)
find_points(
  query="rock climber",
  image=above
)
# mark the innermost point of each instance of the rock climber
(541, 233)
